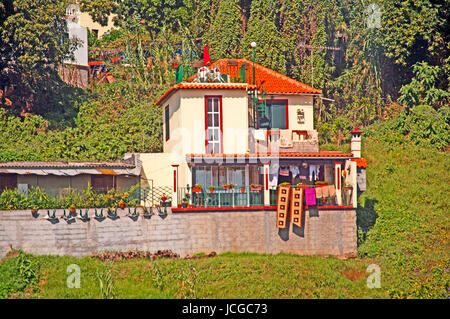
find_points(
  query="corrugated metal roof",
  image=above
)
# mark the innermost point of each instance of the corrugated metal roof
(129, 166)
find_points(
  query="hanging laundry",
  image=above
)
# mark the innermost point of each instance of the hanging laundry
(284, 171)
(314, 172)
(294, 170)
(260, 135)
(310, 196)
(319, 192)
(304, 171)
(331, 190)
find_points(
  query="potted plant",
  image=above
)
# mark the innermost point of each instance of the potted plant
(72, 208)
(197, 188)
(301, 185)
(255, 187)
(285, 184)
(211, 189)
(242, 189)
(122, 204)
(34, 210)
(165, 201)
(228, 186)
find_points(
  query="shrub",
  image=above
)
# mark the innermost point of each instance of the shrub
(16, 274)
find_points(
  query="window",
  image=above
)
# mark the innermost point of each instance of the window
(166, 121)
(275, 115)
(213, 110)
(8, 181)
(103, 183)
(219, 175)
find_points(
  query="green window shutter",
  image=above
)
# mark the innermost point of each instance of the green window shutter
(242, 73)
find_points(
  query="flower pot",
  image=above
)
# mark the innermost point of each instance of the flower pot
(211, 190)
(255, 187)
(242, 189)
(196, 190)
(72, 210)
(227, 187)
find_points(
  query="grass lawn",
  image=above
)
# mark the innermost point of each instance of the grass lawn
(403, 222)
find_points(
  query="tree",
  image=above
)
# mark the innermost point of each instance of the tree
(224, 36)
(32, 45)
(271, 48)
(423, 88)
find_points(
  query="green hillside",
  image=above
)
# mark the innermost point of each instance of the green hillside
(403, 226)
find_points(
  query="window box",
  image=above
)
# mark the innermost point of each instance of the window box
(255, 187)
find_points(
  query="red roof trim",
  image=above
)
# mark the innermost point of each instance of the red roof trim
(360, 162)
(199, 86)
(330, 154)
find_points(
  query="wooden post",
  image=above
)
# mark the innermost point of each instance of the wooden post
(338, 182)
(266, 184)
(175, 186)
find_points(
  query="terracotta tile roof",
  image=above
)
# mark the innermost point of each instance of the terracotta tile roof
(360, 162)
(272, 81)
(265, 79)
(193, 86)
(320, 154)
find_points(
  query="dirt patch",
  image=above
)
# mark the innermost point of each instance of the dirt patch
(353, 274)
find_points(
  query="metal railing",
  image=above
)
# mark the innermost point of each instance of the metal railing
(151, 196)
(238, 196)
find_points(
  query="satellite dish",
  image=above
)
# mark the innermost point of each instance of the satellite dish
(73, 13)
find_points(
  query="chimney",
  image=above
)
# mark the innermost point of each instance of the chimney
(355, 143)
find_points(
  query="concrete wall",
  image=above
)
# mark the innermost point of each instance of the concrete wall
(324, 233)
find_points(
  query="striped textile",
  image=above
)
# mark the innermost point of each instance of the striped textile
(297, 206)
(282, 205)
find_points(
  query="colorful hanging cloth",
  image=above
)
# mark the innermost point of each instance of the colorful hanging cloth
(310, 196)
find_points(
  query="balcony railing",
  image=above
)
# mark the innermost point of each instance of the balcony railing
(238, 196)
(244, 196)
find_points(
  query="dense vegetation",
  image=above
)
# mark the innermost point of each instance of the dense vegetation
(400, 68)
(391, 80)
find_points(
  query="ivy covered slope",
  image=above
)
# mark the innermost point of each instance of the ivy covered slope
(109, 124)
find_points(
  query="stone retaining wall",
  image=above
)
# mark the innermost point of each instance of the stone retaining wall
(325, 232)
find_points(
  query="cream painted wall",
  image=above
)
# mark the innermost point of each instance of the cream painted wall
(187, 122)
(87, 22)
(304, 102)
(156, 167)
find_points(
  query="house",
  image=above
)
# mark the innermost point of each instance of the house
(57, 177)
(238, 122)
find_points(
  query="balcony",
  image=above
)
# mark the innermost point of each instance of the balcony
(273, 141)
(241, 197)
(238, 196)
